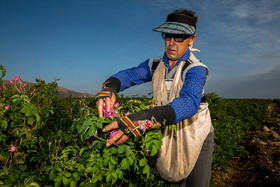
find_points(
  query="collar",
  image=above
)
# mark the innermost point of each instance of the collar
(185, 57)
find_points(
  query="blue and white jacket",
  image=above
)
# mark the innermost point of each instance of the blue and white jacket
(192, 90)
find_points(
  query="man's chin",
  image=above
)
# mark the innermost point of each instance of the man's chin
(172, 58)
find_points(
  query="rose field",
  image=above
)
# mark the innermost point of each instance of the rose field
(46, 140)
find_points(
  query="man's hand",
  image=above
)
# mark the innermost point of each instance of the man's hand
(109, 102)
(119, 137)
(138, 123)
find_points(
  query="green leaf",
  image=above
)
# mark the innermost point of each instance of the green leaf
(3, 71)
(26, 98)
(38, 118)
(95, 143)
(23, 110)
(58, 169)
(111, 167)
(130, 160)
(92, 131)
(106, 154)
(121, 148)
(108, 178)
(67, 174)
(120, 173)
(146, 169)
(84, 129)
(28, 113)
(65, 180)
(57, 181)
(99, 125)
(143, 162)
(106, 161)
(52, 175)
(94, 118)
(31, 120)
(87, 122)
(15, 98)
(154, 150)
(114, 150)
(125, 164)
(4, 124)
(157, 143)
(127, 150)
(82, 150)
(35, 184)
(115, 175)
(114, 160)
(95, 179)
(114, 181)
(73, 183)
(76, 175)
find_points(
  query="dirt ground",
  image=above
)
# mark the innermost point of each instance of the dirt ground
(262, 167)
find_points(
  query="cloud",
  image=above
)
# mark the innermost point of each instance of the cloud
(263, 85)
(251, 20)
(250, 31)
(258, 11)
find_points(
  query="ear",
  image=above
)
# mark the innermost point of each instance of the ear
(192, 40)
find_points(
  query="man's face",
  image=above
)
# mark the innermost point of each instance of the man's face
(175, 50)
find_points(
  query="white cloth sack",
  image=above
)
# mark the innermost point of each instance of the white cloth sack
(179, 151)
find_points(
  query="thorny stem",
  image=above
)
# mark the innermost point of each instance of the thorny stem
(17, 88)
(100, 139)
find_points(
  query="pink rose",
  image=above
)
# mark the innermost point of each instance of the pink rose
(13, 149)
(7, 107)
(112, 133)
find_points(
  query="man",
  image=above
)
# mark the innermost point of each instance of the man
(178, 33)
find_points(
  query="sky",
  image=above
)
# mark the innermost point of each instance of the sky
(84, 42)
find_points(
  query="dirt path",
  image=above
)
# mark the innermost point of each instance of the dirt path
(262, 167)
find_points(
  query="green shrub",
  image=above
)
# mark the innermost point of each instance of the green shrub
(51, 141)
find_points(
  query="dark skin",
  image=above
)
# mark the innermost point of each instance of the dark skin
(174, 51)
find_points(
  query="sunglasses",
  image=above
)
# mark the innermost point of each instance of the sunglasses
(177, 37)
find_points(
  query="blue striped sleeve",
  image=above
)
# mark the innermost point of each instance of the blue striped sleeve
(134, 76)
(187, 104)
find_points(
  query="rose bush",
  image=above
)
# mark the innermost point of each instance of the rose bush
(50, 141)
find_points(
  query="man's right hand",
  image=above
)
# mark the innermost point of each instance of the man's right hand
(105, 97)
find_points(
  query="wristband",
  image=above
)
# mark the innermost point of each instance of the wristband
(138, 123)
(103, 94)
(110, 86)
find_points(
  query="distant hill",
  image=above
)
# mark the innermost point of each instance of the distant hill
(62, 92)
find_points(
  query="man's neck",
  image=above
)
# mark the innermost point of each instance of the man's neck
(172, 63)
